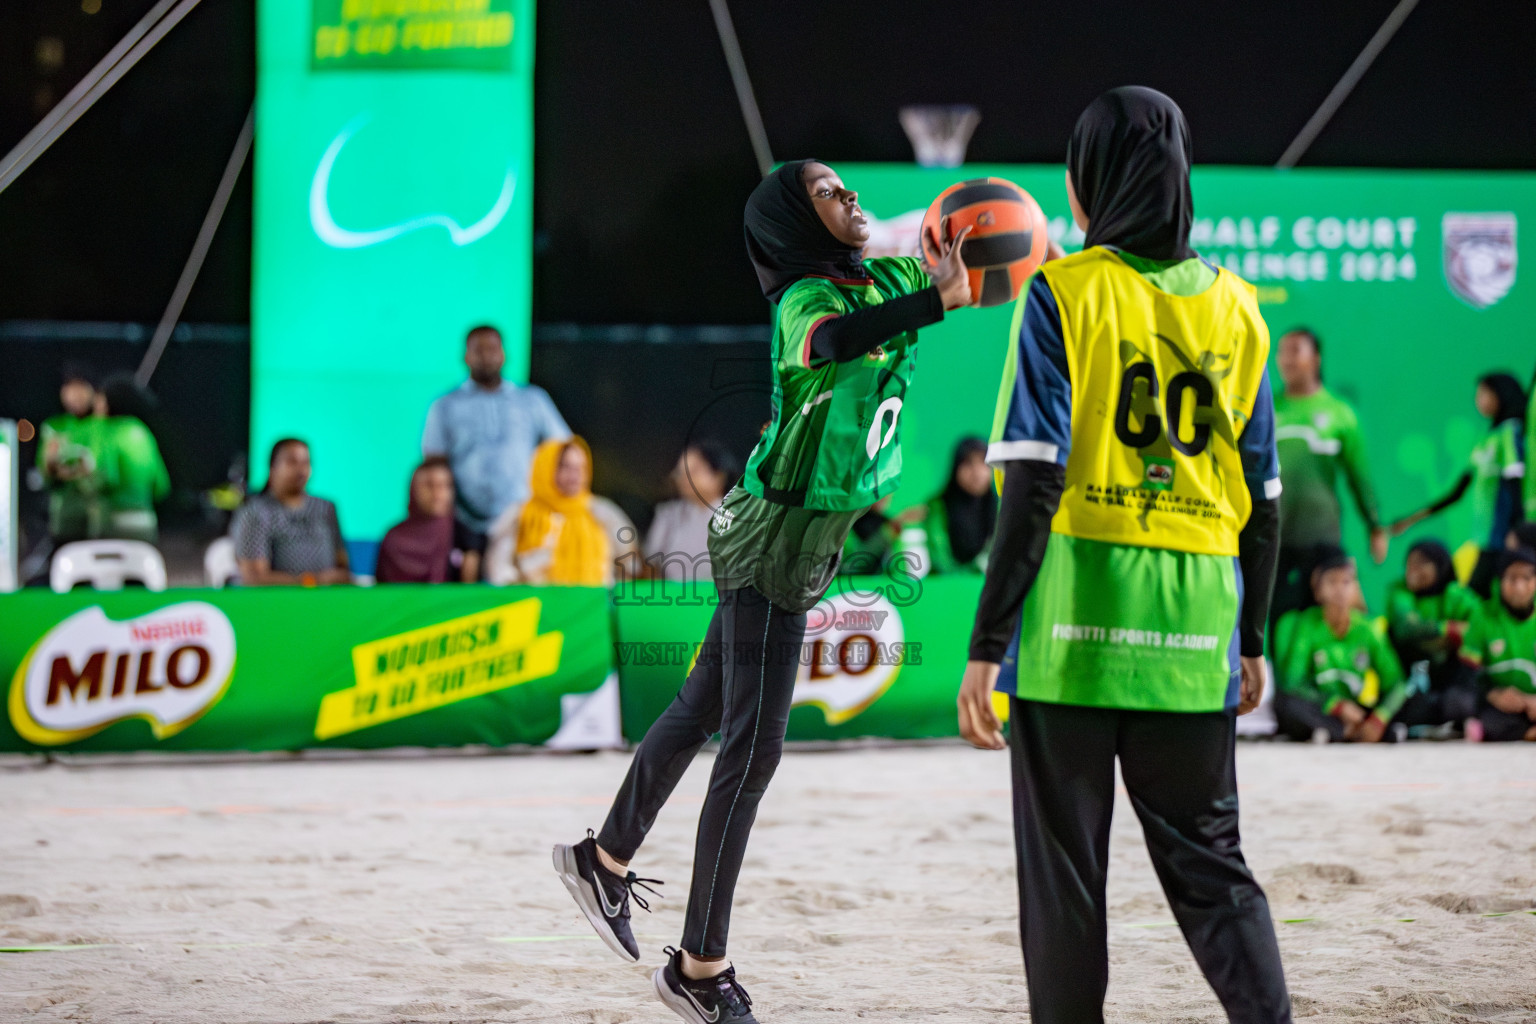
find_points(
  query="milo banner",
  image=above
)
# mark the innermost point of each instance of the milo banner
(284, 669)
(1411, 278)
(882, 656)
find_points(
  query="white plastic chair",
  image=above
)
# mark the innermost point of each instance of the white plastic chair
(220, 566)
(106, 565)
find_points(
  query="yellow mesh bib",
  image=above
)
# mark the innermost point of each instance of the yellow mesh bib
(1162, 388)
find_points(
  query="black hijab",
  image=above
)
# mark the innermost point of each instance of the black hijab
(1439, 556)
(1510, 394)
(786, 239)
(1129, 157)
(971, 518)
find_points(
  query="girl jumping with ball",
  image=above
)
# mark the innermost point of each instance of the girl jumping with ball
(845, 332)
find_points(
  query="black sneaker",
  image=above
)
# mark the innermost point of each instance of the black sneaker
(717, 1000)
(602, 895)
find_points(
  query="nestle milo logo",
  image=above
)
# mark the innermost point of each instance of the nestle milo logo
(167, 667)
(853, 653)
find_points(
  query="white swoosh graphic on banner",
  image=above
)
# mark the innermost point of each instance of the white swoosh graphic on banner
(338, 237)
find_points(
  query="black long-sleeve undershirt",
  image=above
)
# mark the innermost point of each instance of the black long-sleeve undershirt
(1031, 493)
(845, 338)
(1455, 494)
(1258, 552)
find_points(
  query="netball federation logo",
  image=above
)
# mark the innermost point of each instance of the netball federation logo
(1479, 253)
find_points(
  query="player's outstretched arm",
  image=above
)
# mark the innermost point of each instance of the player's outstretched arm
(849, 336)
(1455, 494)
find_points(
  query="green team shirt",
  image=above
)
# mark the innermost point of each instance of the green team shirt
(1530, 453)
(1417, 622)
(82, 448)
(141, 476)
(831, 450)
(77, 443)
(1503, 645)
(1495, 459)
(1318, 436)
(1323, 668)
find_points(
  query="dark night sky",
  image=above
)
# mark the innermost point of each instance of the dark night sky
(642, 159)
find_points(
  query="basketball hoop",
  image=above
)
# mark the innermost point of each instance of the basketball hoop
(939, 134)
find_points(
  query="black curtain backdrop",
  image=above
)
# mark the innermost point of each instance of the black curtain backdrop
(642, 160)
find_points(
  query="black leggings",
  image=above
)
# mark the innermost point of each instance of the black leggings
(1297, 718)
(1503, 727)
(1179, 772)
(741, 687)
(1293, 585)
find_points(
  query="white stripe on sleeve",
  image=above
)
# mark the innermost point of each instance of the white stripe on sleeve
(999, 452)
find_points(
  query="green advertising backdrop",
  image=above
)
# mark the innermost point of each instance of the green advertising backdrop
(1360, 256)
(883, 656)
(288, 668)
(394, 185)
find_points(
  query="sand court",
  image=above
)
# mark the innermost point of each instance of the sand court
(879, 884)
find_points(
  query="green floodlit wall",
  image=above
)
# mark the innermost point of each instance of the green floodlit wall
(394, 188)
(1360, 256)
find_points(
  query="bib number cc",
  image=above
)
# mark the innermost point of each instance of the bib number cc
(1180, 389)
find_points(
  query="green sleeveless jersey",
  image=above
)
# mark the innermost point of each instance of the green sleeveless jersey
(831, 450)
(834, 441)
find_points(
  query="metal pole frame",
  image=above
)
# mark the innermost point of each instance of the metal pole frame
(117, 63)
(749, 112)
(199, 253)
(1346, 85)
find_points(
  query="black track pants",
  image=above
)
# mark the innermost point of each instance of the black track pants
(741, 687)
(1297, 718)
(1179, 772)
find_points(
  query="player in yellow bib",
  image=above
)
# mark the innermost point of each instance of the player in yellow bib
(1125, 599)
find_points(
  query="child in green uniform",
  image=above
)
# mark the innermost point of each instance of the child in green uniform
(1502, 642)
(1494, 478)
(1324, 657)
(844, 348)
(1427, 615)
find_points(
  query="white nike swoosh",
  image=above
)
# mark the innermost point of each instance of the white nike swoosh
(338, 237)
(611, 909)
(711, 1017)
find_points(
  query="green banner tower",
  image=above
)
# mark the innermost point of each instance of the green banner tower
(394, 184)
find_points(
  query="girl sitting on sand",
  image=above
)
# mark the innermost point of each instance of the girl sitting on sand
(1326, 658)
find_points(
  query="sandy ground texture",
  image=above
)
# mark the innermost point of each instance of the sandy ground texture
(879, 885)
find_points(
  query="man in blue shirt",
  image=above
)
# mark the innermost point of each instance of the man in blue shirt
(488, 429)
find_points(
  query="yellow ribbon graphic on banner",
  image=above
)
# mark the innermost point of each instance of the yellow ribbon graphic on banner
(427, 668)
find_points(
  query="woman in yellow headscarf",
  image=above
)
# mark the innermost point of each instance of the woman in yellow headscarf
(563, 533)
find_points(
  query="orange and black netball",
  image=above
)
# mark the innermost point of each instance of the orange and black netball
(1007, 240)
